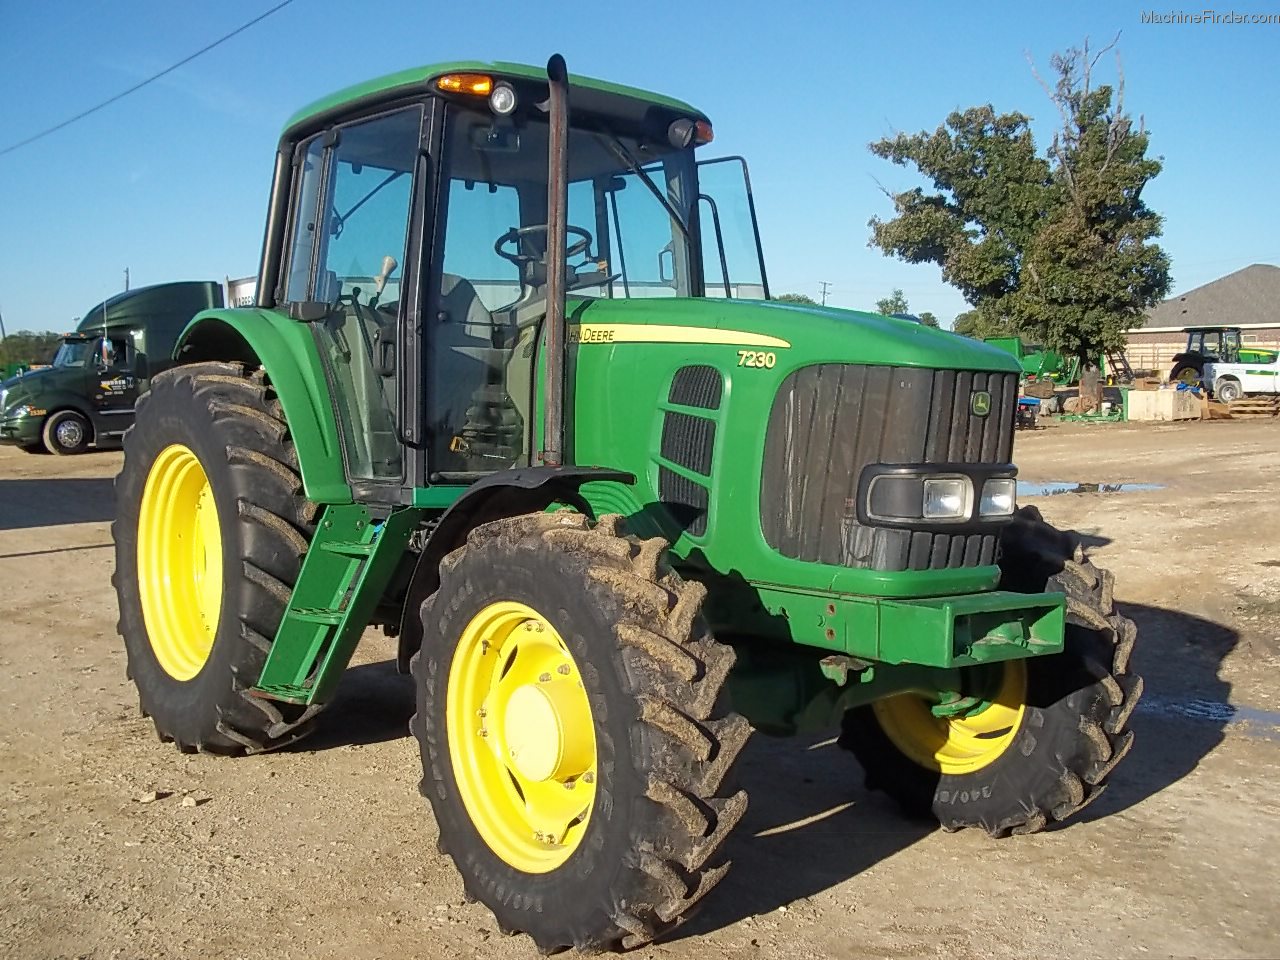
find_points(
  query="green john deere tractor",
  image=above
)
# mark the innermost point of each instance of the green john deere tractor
(513, 391)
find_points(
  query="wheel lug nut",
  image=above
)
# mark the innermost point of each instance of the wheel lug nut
(588, 777)
(545, 678)
(563, 669)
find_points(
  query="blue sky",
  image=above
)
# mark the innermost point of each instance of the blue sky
(172, 181)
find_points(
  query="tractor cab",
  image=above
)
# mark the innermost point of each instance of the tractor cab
(1214, 344)
(417, 245)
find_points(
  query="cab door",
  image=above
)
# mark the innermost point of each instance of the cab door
(114, 387)
(351, 256)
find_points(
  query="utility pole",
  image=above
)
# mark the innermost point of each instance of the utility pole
(824, 285)
(126, 279)
(2, 333)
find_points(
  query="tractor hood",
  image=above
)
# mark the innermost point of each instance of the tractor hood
(822, 334)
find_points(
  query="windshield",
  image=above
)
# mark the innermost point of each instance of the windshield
(628, 205)
(73, 353)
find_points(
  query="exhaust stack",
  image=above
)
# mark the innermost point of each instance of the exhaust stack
(557, 185)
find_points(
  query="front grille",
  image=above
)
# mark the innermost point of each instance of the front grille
(831, 420)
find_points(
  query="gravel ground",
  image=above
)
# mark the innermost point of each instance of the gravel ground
(113, 845)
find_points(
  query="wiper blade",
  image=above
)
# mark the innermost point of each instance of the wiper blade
(343, 217)
(619, 150)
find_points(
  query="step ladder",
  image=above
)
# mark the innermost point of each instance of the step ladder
(344, 574)
(1118, 365)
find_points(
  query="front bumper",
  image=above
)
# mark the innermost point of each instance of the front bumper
(950, 631)
(21, 431)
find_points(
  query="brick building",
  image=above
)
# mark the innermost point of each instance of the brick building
(1248, 299)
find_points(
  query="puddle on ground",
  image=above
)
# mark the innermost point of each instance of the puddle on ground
(1052, 488)
(1250, 721)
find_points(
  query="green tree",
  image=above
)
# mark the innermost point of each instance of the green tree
(1058, 246)
(929, 320)
(894, 303)
(26, 347)
(972, 324)
(795, 298)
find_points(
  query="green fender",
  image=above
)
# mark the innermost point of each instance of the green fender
(287, 351)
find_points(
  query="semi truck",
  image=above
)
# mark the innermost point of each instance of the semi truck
(86, 396)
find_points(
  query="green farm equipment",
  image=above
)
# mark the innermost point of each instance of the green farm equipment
(513, 390)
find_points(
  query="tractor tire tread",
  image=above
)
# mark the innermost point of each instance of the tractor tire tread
(256, 443)
(694, 739)
(1039, 557)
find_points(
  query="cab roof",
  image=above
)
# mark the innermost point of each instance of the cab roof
(419, 78)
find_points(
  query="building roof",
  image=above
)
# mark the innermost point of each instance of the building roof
(1248, 297)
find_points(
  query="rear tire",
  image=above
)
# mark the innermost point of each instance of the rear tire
(66, 433)
(230, 424)
(647, 848)
(1072, 731)
(1187, 373)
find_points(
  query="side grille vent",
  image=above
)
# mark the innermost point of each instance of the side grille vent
(685, 500)
(688, 441)
(697, 386)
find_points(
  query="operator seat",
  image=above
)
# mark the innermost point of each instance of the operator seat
(464, 357)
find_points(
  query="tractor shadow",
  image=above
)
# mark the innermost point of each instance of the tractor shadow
(812, 825)
(52, 501)
(373, 705)
(1184, 710)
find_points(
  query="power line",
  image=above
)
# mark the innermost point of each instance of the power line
(150, 79)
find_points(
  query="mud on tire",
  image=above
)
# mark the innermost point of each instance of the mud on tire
(233, 423)
(1079, 702)
(664, 741)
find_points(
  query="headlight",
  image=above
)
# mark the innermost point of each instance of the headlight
(999, 498)
(503, 99)
(21, 411)
(947, 499)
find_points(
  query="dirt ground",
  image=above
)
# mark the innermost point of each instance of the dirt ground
(326, 850)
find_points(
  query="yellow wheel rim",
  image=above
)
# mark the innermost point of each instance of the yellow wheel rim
(960, 744)
(179, 562)
(521, 738)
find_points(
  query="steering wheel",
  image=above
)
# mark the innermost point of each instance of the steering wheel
(516, 234)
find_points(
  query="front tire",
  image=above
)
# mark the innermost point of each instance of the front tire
(561, 661)
(211, 527)
(1061, 729)
(66, 433)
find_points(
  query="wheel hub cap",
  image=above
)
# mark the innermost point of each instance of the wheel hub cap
(959, 743)
(69, 433)
(521, 737)
(547, 730)
(179, 562)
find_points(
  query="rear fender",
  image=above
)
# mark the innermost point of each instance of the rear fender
(287, 351)
(506, 494)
